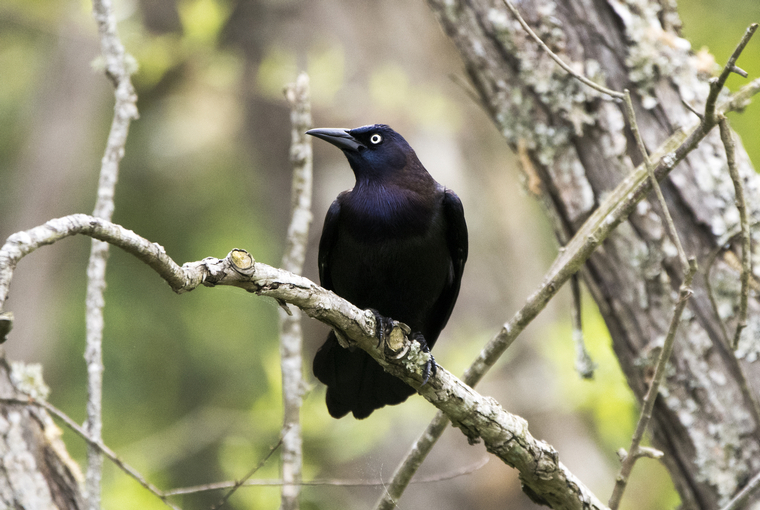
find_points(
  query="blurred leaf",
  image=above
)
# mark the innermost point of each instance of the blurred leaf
(203, 19)
(277, 68)
(326, 68)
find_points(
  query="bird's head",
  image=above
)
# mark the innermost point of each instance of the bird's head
(374, 152)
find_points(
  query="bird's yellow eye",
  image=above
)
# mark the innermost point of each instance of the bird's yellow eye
(376, 138)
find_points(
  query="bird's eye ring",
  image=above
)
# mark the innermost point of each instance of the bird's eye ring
(376, 138)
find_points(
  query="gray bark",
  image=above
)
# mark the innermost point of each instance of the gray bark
(36, 472)
(575, 148)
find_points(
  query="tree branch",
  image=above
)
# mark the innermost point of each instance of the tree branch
(291, 336)
(320, 482)
(740, 500)
(613, 210)
(634, 454)
(93, 442)
(505, 435)
(716, 84)
(125, 109)
(741, 205)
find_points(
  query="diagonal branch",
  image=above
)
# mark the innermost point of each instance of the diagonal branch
(480, 418)
(647, 407)
(712, 116)
(615, 209)
(746, 239)
(93, 442)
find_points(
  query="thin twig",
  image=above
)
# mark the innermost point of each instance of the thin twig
(716, 84)
(626, 97)
(584, 365)
(740, 500)
(321, 482)
(242, 481)
(741, 205)
(412, 461)
(651, 396)
(95, 443)
(125, 109)
(559, 61)
(692, 109)
(655, 184)
(291, 335)
(741, 377)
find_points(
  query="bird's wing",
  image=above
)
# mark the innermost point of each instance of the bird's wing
(456, 239)
(326, 243)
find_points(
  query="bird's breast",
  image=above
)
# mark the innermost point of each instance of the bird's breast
(398, 265)
(379, 214)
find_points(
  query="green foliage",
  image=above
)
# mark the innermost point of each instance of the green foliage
(718, 30)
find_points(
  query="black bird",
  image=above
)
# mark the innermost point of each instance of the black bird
(395, 243)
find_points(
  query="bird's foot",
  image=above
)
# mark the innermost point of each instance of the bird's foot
(431, 367)
(383, 328)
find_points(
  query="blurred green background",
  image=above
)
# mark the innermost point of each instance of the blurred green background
(192, 382)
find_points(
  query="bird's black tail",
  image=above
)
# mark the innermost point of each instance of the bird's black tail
(355, 382)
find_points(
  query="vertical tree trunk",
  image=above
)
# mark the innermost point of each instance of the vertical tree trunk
(575, 147)
(36, 472)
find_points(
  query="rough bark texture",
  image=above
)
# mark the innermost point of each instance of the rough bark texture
(35, 469)
(575, 147)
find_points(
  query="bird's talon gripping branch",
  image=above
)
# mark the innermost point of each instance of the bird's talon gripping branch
(430, 367)
(383, 327)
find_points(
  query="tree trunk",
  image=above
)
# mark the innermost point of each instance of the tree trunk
(575, 147)
(36, 472)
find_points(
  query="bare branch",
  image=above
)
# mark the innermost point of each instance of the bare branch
(125, 109)
(741, 98)
(559, 61)
(20, 244)
(291, 336)
(505, 435)
(242, 481)
(740, 500)
(93, 442)
(716, 84)
(648, 405)
(741, 205)
(655, 184)
(404, 473)
(329, 482)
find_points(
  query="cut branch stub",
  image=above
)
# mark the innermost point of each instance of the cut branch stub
(242, 261)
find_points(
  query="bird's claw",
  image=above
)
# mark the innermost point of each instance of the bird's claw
(431, 367)
(384, 326)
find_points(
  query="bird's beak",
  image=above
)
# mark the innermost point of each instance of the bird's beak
(338, 137)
